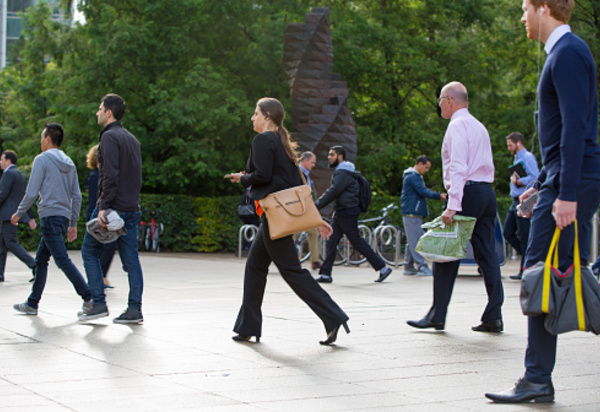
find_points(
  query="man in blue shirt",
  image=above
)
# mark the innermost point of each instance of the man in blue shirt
(569, 182)
(516, 228)
(414, 209)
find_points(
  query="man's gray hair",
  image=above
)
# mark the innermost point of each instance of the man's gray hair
(306, 155)
(458, 92)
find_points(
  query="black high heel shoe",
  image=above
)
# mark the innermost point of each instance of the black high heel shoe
(242, 338)
(332, 336)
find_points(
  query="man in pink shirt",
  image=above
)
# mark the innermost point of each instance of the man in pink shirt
(468, 168)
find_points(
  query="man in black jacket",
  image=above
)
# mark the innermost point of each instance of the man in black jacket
(344, 191)
(120, 165)
(12, 189)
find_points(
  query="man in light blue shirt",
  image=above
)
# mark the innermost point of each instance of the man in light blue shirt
(516, 228)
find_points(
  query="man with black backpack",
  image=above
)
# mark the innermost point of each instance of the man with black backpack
(351, 193)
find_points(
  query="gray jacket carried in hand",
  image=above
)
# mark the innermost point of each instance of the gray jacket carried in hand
(54, 178)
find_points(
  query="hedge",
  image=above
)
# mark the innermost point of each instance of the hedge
(211, 224)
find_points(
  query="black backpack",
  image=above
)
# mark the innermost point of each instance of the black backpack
(364, 192)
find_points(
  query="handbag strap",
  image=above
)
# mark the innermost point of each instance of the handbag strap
(552, 260)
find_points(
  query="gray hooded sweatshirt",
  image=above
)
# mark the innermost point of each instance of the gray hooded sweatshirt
(54, 178)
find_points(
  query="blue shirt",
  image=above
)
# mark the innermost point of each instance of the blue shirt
(531, 168)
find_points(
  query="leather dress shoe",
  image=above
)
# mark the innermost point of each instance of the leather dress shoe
(517, 277)
(425, 324)
(489, 326)
(525, 391)
(324, 279)
(316, 265)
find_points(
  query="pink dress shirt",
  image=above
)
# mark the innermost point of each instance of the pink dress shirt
(466, 155)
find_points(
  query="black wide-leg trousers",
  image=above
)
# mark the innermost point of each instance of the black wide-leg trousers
(283, 253)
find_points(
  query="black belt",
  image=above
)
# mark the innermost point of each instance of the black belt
(473, 183)
(516, 198)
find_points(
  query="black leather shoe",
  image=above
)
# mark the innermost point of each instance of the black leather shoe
(489, 326)
(324, 279)
(425, 324)
(517, 277)
(525, 391)
(1, 278)
(244, 338)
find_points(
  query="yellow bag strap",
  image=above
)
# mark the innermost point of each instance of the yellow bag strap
(552, 252)
(578, 287)
(552, 260)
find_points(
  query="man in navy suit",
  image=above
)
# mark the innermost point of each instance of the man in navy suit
(569, 182)
(12, 189)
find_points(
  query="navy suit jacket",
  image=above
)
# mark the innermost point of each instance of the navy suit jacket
(568, 116)
(12, 189)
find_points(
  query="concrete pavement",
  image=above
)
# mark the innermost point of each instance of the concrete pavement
(183, 357)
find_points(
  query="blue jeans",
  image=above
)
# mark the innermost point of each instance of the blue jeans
(54, 229)
(128, 252)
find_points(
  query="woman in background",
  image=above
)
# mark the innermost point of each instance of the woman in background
(108, 252)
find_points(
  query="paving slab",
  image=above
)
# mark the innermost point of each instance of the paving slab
(182, 357)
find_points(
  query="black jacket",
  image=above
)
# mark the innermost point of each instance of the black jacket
(343, 190)
(12, 190)
(269, 169)
(120, 164)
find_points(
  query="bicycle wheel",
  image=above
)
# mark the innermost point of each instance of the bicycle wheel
(354, 256)
(301, 244)
(156, 240)
(148, 238)
(340, 255)
(387, 238)
(141, 234)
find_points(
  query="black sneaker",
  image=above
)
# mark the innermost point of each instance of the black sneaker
(131, 315)
(94, 311)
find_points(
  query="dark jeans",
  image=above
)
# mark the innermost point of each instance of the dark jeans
(128, 252)
(541, 345)
(516, 231)
(9, 242)
(54, 229)
(283, 253)
(345, 221)
(106, 257)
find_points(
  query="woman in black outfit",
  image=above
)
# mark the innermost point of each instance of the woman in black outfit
(272, 167)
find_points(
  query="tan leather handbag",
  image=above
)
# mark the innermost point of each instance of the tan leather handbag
(291, 211)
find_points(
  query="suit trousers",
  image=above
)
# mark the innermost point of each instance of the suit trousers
(516, 231)
(345, 221)
(283, 253)
(9, 242)
(540, 356)
(479, 201)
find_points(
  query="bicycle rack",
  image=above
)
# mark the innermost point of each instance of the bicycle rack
(396, 233)
(369, 241)
(247, 233)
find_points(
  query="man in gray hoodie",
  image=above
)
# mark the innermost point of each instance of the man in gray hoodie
(54, 179)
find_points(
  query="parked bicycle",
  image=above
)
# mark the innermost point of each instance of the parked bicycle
(149, 233)
(388, 241)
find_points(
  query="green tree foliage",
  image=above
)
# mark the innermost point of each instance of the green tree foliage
(191, 71)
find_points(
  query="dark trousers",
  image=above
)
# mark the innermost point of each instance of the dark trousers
(283, 253)
(346, 222)
(52, 244)
(106, 256)
(479, 201)
(541, 345)
(516, 231)
(9, 242)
